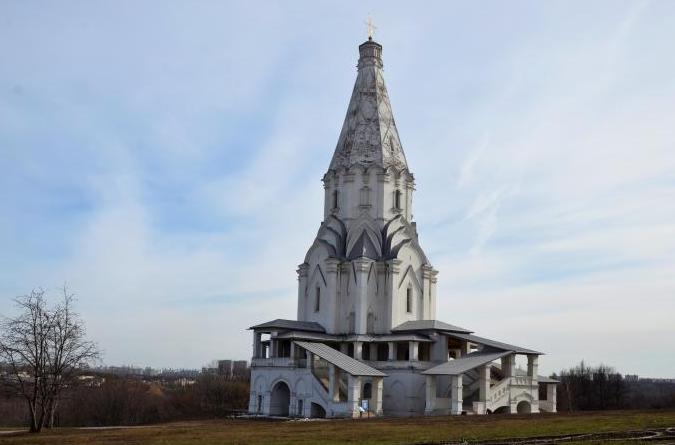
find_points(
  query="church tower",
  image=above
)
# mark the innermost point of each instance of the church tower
(366, 273)
(366, 328)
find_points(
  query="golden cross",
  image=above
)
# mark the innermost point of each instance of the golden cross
(371, 28)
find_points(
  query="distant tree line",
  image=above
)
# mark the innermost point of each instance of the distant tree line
(108, 400)
(585, 388)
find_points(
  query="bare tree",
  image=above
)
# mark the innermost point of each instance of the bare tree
(44, 350)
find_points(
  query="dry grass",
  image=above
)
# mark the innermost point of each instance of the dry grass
(367, 431)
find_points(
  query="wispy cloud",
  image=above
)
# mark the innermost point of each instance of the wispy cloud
(171, 173)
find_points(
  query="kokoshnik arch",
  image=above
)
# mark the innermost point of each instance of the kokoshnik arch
(366, 336)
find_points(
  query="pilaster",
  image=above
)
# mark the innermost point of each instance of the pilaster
(330, 301)
(362, 267)
(302, 291)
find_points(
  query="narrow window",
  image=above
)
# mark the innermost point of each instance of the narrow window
(408, 300)
(317, 301)
(397, 199)
(365, 196)
(335, 199)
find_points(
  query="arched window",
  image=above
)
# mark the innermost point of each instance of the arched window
(335, 199)
(317, 300)
(408, 300)
(397, 199)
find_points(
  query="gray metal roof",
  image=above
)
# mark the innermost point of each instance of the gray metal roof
(495, 344)
(429, 325)
(466, 363)
(279, 323)
(342, 361)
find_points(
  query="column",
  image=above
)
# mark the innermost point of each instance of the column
(354, 394)
(456, 399)
(292, 353)
(376, 400)
(358, 347)
(333, 383)
(533, 367)
(392, 351)
(273, 347)
(412, 351)
(373, 351)
(509, 365)
(430, 404)
(551, 396)
(344, 348)
(465, 348)
(257, 336)
(483, 388)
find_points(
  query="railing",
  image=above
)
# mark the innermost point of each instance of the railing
(521, 380)
(278, 362)
(498, 392)
(399, 364)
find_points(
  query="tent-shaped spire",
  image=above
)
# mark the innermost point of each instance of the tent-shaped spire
(369, 136)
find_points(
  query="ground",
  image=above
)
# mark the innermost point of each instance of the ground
(371, 431)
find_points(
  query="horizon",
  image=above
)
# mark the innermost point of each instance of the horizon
(540, 137)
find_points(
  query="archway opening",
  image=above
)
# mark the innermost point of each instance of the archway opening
(280, 401)
(524, 407)
(367, 391)
(317, 411)
(501, 410)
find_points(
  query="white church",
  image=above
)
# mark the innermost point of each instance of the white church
(366, 341)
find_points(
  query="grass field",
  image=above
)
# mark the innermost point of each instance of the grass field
(367, 431)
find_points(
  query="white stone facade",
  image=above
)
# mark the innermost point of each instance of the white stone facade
(366, 340)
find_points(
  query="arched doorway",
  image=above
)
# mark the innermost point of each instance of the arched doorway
(281, 399)
(317, 411)
(524, 407)
(501, 410)
(367, 391)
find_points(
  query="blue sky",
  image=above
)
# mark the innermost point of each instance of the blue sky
(164, 160)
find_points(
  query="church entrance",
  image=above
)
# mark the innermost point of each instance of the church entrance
(280, 401)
